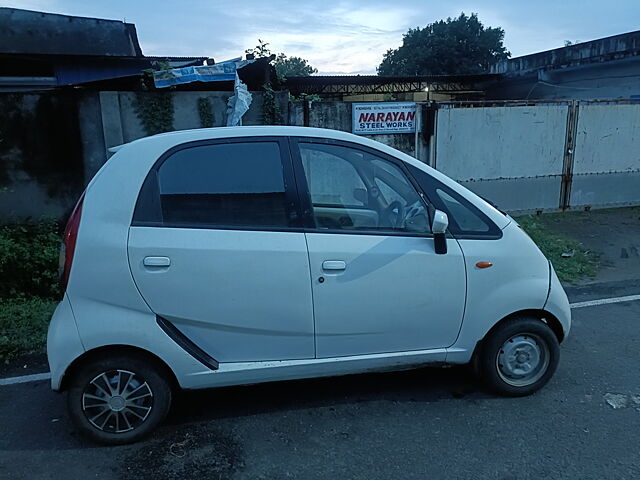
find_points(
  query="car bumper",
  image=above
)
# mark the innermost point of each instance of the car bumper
(557, 303)
(63, 342)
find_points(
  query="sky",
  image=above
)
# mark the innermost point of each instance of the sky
(342, 37)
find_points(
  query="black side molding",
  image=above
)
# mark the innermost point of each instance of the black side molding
(186, 344)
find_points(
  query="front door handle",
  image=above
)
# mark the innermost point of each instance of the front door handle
(334, 265)
(156, 261)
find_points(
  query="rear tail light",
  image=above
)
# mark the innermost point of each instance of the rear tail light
(68, 247)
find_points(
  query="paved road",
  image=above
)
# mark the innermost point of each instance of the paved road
(431, 423)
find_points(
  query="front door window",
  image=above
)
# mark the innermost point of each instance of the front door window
(354, 190)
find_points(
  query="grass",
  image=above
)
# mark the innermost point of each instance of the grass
(570, 269)
(23, 326)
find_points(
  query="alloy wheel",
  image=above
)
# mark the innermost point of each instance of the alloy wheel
(117, 401)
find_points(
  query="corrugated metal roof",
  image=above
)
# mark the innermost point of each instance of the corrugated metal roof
(380, 79)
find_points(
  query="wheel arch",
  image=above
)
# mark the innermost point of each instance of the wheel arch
(542, 315)
(98, 352)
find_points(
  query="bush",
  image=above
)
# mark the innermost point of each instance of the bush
(23, 326)
(29, 260)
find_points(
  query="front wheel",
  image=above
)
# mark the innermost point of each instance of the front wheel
(519, 357)
(119, 399)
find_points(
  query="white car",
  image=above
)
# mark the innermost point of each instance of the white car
(232, 256)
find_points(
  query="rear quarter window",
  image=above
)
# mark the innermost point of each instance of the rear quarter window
(239, 184)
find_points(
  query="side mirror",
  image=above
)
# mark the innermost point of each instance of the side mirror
(439, 226)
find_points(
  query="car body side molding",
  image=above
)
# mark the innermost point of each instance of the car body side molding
(187, 345)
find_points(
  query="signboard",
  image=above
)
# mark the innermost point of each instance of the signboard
(383, 117)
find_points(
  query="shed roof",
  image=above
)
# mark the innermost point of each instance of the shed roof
(30, 32)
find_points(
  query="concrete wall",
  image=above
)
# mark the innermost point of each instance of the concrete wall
(614, 79)
(111, 118)
(605, 68)
(40, 155)
(52, 144)
(594, 51)
(337, 116)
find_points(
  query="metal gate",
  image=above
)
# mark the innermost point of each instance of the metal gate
(528, 156)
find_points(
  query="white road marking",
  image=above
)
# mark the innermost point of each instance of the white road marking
(590, 303)
(605, 301)
(36, 377)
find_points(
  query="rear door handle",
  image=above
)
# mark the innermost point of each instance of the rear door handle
(334, 265)
(156, 261)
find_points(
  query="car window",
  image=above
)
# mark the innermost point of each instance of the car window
(226, 184)
(352, 189)
(392, 183)
(336, 189)
(467, 219)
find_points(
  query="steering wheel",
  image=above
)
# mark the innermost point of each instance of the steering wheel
(388, 214)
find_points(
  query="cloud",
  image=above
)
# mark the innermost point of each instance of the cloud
(38, 5)
(345, 36)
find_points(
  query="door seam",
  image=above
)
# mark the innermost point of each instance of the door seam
(313, 303)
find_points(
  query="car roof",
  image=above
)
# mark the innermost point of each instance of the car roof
(170, 139)
(182, 136)
(155, 145)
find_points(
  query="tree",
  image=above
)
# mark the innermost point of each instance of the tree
(259, 51)
(455, 46)
(293, 67)
(285, 66)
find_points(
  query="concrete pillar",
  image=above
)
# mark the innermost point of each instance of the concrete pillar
(111, 120)
(94, 153)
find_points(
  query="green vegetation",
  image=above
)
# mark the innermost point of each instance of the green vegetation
(284, 66)
(454, 46)
(23, 326)
(155, 111)
(271, 114)
(29, 260)
(576, 263)
(29, 286)
(205, 111)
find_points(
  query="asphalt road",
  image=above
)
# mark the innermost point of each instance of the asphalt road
(430, 423)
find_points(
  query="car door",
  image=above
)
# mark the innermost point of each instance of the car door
(216, 249)
(378, 285)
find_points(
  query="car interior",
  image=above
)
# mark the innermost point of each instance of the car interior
(354, 190)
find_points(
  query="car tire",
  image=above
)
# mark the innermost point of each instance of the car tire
(119, 399)
(518, 357)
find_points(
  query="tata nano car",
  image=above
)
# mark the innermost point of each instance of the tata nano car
(231, 256)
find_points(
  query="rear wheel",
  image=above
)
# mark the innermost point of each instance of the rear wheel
(519, 357)
(120, 399)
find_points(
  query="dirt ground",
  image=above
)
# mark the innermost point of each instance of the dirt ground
(613, 233)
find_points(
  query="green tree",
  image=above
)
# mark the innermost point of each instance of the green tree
(285, 66)
(293, 67)
(455, 46)
(260, 50)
